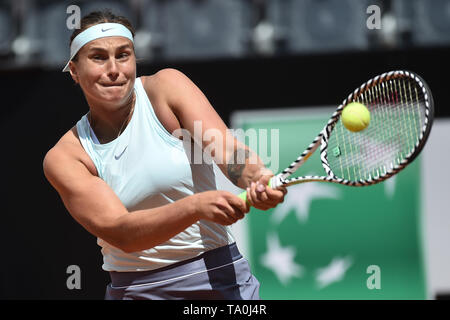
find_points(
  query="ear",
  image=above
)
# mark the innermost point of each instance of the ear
(73, 71)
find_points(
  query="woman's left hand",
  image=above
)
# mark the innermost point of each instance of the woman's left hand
(263, 197)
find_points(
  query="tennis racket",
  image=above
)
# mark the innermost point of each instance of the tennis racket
(401, 111)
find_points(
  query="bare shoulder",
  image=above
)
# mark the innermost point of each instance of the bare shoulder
(68, 149)
(163, 75)
(64, 149)
(165, 81)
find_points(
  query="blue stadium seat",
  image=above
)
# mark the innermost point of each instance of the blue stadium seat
(427, 20)
(6, 28)
(320, 25)
(198, 28)
(45, 26)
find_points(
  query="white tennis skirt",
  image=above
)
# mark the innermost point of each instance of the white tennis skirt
(221, 273)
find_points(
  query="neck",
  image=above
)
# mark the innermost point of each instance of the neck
(107, 122)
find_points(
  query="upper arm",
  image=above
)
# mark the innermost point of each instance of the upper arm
(89, 200)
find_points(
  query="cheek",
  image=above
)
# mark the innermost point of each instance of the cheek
(130, 71)
(89, 84)
(129, 68)
(89, 76)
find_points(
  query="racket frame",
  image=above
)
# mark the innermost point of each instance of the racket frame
(282, 179)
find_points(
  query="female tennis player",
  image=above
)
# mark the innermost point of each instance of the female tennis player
(161, 223)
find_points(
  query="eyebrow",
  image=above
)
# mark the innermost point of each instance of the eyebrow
(103, 49)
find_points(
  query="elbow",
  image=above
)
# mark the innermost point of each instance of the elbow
(127, 247)
(122, 243)
(119, 236)
(130, 242)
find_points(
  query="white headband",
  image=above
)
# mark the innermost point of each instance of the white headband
(101, 30)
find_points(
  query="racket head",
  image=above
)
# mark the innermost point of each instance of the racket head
(402, 112)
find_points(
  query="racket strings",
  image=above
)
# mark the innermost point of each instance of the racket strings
(397, 110)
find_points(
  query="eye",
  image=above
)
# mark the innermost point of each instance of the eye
(123, 55)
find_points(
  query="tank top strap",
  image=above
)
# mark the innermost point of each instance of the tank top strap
(147, 111)
(83, 130)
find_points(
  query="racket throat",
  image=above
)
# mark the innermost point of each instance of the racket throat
(276, 181)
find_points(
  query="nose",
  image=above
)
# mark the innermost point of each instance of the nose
(113, 69)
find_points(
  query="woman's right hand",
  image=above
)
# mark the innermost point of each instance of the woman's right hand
(221, 207)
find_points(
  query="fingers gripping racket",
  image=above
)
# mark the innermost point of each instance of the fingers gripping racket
(401, 111)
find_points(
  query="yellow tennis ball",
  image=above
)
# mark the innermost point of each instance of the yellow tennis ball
(355, 116)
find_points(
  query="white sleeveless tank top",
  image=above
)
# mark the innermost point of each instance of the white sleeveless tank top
(147, 167)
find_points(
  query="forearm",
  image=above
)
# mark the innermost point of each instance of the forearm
(243, 166)
(143, 229)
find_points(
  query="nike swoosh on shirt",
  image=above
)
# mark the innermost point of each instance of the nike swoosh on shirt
(117, 157)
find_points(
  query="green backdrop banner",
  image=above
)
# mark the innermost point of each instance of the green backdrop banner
(328, 241)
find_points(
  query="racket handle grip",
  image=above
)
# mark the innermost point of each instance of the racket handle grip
(243, 195)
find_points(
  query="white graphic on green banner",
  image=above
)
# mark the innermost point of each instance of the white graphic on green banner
(281, 260)
(320, 242)
(333, 272)
(299, 199)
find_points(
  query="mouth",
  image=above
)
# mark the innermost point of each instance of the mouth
(108, 85)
